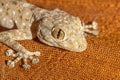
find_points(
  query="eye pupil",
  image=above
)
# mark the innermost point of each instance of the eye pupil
(58, 33)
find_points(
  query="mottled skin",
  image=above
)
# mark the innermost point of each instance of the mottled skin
(55, 28)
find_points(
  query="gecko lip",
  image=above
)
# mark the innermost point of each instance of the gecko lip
(75, 46)
(79, 49)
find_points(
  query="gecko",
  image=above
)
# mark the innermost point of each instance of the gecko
(53, 27)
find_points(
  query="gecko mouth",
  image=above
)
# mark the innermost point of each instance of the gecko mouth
(79, 49)
(76, 45)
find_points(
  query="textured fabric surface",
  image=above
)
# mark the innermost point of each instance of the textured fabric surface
(101, 60)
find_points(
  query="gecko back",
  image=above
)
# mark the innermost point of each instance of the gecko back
(5, 20)
(11, 12)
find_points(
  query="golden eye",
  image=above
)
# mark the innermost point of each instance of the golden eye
(58, 33)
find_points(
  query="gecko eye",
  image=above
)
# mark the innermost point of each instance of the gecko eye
(58, 33)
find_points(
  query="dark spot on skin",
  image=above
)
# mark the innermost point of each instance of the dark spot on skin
(7, 13)
(2, 4)
(20, 17)
(8, 9)
(19, 11)
(14, 2)
(27, 19)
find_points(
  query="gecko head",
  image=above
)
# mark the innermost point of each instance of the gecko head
(64, 33)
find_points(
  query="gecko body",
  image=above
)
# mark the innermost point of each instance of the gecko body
(54, 28)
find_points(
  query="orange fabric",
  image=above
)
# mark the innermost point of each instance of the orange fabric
(101, 60)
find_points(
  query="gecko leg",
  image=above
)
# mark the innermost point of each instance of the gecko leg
(93, 26)
(9, 38)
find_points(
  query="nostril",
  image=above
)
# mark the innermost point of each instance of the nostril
(82, 48)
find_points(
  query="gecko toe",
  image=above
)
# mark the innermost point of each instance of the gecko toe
(26, 66)
(35, 60)
(9, 52)
(10, 63)
(95, 33)
(95, 25)
(24, 56)
(37, 53)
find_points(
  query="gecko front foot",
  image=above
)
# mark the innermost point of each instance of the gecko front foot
(23, 56)
(92, 28)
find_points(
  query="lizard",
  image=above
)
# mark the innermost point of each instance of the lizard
(54, 27)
